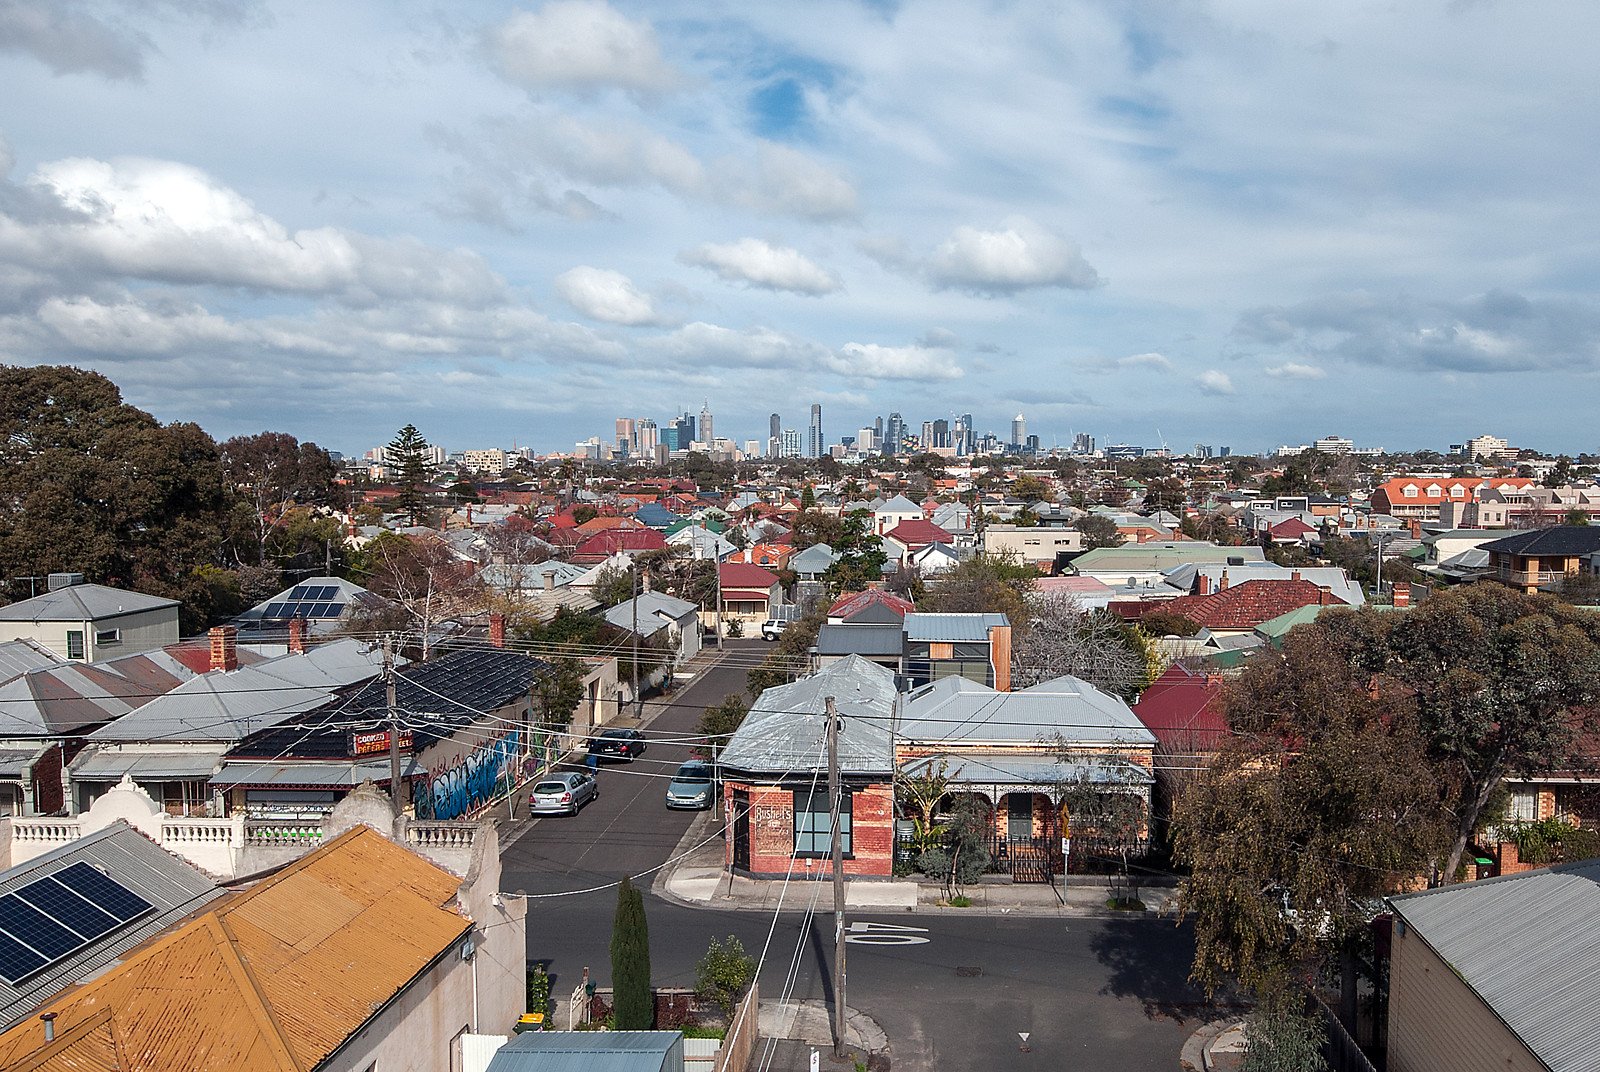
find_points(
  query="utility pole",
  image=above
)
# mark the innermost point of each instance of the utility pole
(638, 701)
(389, 690)
(716, 572)
(838, 877)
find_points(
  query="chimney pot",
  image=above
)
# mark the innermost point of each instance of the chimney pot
(1295, 576)
(497, 630)
(1402, 593)
(297, 635)
(1222, 583)
(549, 580)
(224, 648)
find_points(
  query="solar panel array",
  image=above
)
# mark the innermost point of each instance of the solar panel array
(51, 918)
(307, 601)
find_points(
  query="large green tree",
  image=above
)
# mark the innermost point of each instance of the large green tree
(91, 484)
(408, 454)
(632, 1000)
(272, 472)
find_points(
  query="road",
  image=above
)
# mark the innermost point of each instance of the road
(1103, 994)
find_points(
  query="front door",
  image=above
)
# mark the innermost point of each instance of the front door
(1019, 816)
(741, 829)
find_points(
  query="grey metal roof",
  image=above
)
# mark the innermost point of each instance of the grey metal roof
(657, 610)
(1559, 540)
(20, 656)
(591, 1051)
(956, 709)
(173, 886)
(14, 762)
(899, 505)
(228, 706)
(814, 559)
(108, 763)
(785, 729)
(952, 628)
(82, 603)
(1529, 945)
(873, 641)
(312, 772)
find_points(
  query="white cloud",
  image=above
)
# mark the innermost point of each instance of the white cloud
(1214, 382)
(786, 182)
(1291, 370)
(70, 41)
(871, 361)
(1150, 360)
(583, 45)
(168, 222)
(700, 343)
(762, 264)
(1018, 256)
(606, 295)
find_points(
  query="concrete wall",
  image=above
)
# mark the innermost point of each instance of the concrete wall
(141, 631)
(1030, 545)
(1437, 1023)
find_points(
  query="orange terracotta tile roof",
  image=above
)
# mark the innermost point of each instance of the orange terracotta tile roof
(275, 977)
(1244, 605)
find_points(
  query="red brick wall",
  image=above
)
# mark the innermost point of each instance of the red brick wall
(772, 832)
(48, 796)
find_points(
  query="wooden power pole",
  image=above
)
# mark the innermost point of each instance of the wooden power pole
(834, 790)
(390, 701)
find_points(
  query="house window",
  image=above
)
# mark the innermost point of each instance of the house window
(813, 823)
(107, 636)
(74, 643)
(1524, 806)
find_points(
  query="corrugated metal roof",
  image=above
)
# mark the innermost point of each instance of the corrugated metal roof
(173, 886)
(278, 976)
(785, 729)
(312, 772)
(1529, 945)
(108, 763)
(952, 628)
(869, 640)
(591, 1051)
(957, 709)
(20, 656)
(81, 603)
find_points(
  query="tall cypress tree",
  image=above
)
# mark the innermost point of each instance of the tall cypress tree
(630, 962)
(408, 452)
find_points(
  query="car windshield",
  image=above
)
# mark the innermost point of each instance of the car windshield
(615, 735)
(550, 787)
(693, 775)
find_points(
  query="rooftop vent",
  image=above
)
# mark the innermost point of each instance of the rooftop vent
(57, 581)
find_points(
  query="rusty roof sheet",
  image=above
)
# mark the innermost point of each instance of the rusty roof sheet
(277, 976)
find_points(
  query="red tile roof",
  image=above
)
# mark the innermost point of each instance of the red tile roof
(850, 604)
(1245, 605)
(918, 534)
(744, 575)
(605, 544)
(1291, 526)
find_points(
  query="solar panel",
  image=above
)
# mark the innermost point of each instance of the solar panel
(327, 591)
(107, 894)
(276, 610)
(300, 591)
(55, 916)
(17, 961)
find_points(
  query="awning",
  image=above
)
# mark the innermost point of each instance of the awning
(1030, 773)
(337, 774)
(14, 762)
(103, 764)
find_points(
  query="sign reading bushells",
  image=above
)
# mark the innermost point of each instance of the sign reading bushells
(365, 744)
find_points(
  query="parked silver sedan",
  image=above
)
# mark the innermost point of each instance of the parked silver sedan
(562, 794)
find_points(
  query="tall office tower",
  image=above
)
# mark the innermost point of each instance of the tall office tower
(927, 435)
(1031, 446)
(1224, 452)
(866, 440)
(669, 436)
(877, 427)
(648, 437)
(816, 444)
(791, 443)
(1019, 431)
(941, 434)
(774, 436)
(960, 440)
(625, 434)
(894, 433)
(972, 432)
(706, 435)
(1083, 443)
(685, 426)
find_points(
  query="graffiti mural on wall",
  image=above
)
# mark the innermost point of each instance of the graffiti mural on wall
(467, 782)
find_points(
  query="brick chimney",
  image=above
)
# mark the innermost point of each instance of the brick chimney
(549, 580)
(1416, 528)
(1222, 583)
(1402, 593)
(497, 630)
(1295, 575)
(224, 648)
(1325, 596)
(1204, 585)
(469, 515)
(297, 635)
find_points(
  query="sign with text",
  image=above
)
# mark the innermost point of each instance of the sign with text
(371, 741)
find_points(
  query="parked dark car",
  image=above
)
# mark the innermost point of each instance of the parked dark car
(562, 794)
(617, 744)
(694, 786)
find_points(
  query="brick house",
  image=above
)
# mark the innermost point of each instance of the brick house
(1544, 558)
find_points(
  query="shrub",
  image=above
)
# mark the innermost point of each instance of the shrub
(723, 974)
(630, 962)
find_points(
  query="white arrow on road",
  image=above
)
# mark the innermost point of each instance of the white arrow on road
(864, 933)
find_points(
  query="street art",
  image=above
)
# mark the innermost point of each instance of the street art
(467, 782)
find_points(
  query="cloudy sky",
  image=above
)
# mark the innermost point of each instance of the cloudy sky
(1226, 221)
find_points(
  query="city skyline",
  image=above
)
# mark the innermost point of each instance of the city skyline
(508, 222)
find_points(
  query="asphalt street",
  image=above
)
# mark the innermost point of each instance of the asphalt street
(954, 992)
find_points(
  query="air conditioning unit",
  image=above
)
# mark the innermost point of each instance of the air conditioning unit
(469, 949)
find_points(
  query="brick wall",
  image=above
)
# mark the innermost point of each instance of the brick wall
(772, 832)
(49, 798)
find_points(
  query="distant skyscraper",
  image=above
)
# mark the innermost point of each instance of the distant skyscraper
(774, 436)
(894, 433)
(927, 435)
(971, 434)
(685, 426)
(1019, 431)
(941, 434)
(791, 443)
(648, 437)
(625, 435)
(816, 444)
(877, 427)
(866, 440)
(1083, 443)
(706, 435)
